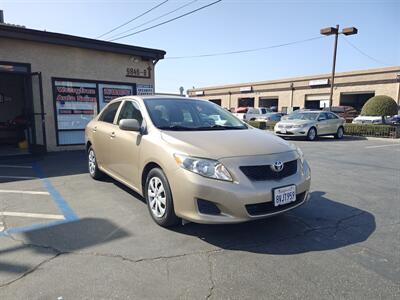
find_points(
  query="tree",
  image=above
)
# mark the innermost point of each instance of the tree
(380, 105)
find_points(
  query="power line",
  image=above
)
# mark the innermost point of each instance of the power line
(246, 50)
(159, 17)
(168, 21)
(135, 18)
(365, 54)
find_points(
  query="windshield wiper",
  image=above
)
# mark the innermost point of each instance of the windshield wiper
(216, 127)
(176, 127)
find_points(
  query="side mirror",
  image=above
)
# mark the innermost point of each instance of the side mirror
(129, 125)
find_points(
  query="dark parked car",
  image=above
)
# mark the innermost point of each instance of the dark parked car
(395, 120)
(346, 112)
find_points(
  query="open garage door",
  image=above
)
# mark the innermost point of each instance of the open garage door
(269, 103)
(246, 102)
(316, 101)
(356, 99)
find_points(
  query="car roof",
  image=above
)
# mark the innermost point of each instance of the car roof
(154, 97)
(309, 111)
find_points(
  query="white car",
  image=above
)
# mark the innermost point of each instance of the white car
(310, 124)
(367, 120)
(254, 113)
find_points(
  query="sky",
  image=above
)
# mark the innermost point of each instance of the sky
(231, 25)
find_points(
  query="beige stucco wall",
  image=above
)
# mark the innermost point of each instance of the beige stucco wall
(73, 63)
(383, 81)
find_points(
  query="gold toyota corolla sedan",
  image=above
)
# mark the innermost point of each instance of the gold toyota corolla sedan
(194, 161)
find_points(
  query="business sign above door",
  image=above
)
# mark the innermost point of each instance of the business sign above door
(246, 89)
(318, 82)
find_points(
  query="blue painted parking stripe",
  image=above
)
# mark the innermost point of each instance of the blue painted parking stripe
(59, 200)
(21, 229)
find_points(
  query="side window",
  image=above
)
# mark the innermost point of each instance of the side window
(263, 111)
(108, 114)
(332, 116)
(322, 116)
(130, 110)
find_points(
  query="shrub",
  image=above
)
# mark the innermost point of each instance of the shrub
(372, 130)
(262, 125)
(380, 106)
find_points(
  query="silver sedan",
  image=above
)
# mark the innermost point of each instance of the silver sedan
(311, 124)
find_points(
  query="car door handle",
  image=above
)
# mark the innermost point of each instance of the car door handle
(112, 135)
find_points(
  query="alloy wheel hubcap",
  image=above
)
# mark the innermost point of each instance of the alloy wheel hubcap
(157, 197)
(340, 133)
(312, 134)
(92, 162)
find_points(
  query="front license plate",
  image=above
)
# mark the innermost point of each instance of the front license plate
(284, 195)
(283, 130)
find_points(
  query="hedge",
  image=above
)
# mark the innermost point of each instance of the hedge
(372, 130)
(262, 125)
(389, 131)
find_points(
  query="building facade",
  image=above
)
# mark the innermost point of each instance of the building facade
(52, 85)
(350, 88)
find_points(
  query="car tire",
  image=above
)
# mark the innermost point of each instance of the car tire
(339, 133)
(312, 134)
(93, 168)
(159, 199)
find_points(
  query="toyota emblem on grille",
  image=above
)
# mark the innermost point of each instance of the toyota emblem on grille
(277, 166)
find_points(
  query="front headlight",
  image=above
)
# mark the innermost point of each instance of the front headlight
(205, 167)
(300, 126)
(301, 155)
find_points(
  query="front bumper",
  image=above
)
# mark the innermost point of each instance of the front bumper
(291, 131)
(238, 201)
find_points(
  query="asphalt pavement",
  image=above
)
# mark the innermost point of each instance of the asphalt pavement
(66, 236)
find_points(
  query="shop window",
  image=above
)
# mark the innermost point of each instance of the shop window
(78, 102)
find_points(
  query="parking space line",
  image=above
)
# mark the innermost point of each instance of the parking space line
(59, 200)
(31, 215)
(17, 177)
(16, 166)
(382, 146)
(24, 192)
(31, 227)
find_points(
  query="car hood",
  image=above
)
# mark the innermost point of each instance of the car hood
(296, 122)
(217, 144)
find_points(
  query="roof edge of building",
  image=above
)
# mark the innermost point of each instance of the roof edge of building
(300, 78)
(21, 33)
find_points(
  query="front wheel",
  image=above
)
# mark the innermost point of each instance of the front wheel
(339, 133)
(159, 199)
(94, 170)
(312, 134)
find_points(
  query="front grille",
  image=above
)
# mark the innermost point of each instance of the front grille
(264, 172)
(287, 132)
(269, 208)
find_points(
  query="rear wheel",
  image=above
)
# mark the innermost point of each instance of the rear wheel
(312, 134)
(339, 133)
(94, 170)
(159, 199)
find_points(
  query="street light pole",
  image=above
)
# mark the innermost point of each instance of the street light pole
(335, 31)
(333, 66)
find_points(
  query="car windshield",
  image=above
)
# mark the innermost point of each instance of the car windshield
(303, 116)
(190, 114)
